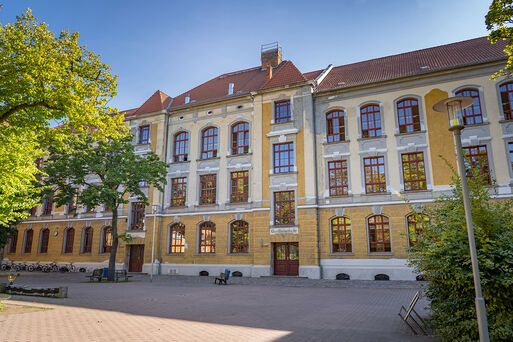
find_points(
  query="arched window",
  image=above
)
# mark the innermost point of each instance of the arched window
(415, 223)
(370, 118)
(408, 115)
(69, 236)
(45, 236)
(176, 239)
(207, 236)
(209, 143)
(379, 234)
(88, 240)
(472, 115)
(29, 235)
(335, 126)
(14, 241)
(181, 144)
(507, 100)
(341, 235)
(240, 138)
(106, 239)
(239, 237)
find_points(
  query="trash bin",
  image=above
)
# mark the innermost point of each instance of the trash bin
(105, 272)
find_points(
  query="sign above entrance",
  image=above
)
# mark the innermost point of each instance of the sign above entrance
(291, 230)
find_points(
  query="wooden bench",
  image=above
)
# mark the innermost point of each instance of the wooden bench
(122, 274)
(97, 274)
(223, 277)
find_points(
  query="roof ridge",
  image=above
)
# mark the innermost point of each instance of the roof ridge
(238, 72)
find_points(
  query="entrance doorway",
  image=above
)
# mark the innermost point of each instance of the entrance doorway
(136, 258)
(286, 258)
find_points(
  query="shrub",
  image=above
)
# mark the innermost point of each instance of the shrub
(442, 256)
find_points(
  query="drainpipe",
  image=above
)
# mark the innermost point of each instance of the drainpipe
(163, 196)
(316, 190)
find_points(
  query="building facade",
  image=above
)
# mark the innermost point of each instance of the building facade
(278, 172)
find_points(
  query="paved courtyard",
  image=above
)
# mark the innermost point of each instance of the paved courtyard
(178, 308)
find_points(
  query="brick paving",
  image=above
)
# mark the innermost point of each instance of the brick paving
(179, 308)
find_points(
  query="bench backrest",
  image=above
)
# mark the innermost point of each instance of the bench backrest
(98, 272)
(227, 271)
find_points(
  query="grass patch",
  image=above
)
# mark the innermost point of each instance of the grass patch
(3, 296)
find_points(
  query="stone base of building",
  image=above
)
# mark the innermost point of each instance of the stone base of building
(367, 269)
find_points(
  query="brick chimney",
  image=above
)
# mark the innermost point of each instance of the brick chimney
(270, 55)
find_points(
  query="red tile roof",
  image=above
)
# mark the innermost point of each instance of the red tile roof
(466, 53)
(287, 73)
(445, 57)
(244, 81)
(157, 101)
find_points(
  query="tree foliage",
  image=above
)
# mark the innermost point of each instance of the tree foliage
(499, 21)
(45, 78)
(442, 256)
(102, 172)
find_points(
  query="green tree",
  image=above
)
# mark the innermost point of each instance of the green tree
(45, 78)
(102, 172)
(499, 21)
(442, 256)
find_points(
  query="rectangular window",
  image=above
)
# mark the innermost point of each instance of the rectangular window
(284, 208)
(137, 217)
(375, 179)
(144, 134)
(48, 205)
(476, 159)
(338, 178)
(240, 186)
(178, 191)
(282, 111)
(208, 189)
(283, 157)
(414, 172)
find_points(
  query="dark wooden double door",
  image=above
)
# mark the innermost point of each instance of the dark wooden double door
(286, 258)
(136, 258)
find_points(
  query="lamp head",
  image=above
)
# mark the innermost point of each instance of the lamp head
(454, 107)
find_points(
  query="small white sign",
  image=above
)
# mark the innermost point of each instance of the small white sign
(292, 230)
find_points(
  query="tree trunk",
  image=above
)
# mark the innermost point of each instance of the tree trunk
(114, 248)
(1, 254)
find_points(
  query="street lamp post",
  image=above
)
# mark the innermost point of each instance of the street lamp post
(154, 212)
(454, 107)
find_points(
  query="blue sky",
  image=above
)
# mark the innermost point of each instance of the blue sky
(174, 46)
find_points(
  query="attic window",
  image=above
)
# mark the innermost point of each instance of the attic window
(210, 112)
(187, 98)
(425, 67)
(230, 88)
(240, 106)
(341, 83)
(180, 118)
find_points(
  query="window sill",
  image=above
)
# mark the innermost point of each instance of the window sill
(205, 254)
(505, 121)
(335, 142)
(175, 254)
(238, 155)
(237, 203)
(177, 207)
(372, 138)
(484, 123)
(380, 253)
(376, 193)
(206, 205)
(204, 159)
(414, 191)
(136, 230)
(238, 254)
(339, 196)
(282, 173)
(341, 254)
(410, 133)
(283, 226)
(179, 162)
(282, 122)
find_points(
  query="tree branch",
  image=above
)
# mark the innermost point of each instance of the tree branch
(6, 115)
